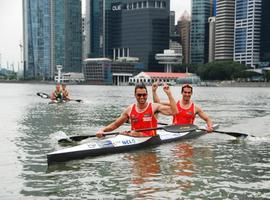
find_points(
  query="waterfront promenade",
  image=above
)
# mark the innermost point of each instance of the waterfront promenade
(202, 84)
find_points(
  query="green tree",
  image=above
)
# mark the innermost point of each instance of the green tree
(267, 76)
(12, 76)
(220, 70)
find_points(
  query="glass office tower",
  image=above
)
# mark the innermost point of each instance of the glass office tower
(247, 32)
(37, 37)
(121, 28)
(265, 32)
(52, 36)
(67, 35)
(201, 11)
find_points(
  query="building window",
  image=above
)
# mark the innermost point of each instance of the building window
(144, 4)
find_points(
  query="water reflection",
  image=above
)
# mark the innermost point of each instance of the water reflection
(184, 165)
(145, 166)
(145, 170)
(152, 169)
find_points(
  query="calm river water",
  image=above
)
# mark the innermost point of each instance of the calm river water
(214, 166)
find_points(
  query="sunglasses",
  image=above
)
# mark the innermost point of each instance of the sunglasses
(141, 95)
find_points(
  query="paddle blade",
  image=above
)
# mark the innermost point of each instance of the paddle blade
(75, 138)
(180, 128)
(234, 134)
(43, 95)
(78, 100)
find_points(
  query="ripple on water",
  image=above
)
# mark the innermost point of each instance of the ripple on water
(214, 166)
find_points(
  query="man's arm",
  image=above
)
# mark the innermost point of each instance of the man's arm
(114, 125)
(66, 95)
(52, 96)
(206, 118)
(156, 98)
(172, 108)
(154, 93)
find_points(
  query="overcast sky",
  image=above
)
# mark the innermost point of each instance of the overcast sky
(11, 28)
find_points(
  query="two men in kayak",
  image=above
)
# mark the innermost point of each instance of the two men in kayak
(60, 93)
(142, 114)
(187, 110)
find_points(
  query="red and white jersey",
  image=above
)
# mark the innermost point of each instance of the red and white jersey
(142, 120)
(184, 116)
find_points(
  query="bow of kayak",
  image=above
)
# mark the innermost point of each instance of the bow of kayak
(118, 144)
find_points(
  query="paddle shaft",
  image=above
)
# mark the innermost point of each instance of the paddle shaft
(234, 134)
(171, 128)
(82, 137)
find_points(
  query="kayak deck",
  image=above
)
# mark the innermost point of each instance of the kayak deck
(118, 144)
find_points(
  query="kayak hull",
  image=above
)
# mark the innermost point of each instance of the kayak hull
(106, 148)
(118, 144)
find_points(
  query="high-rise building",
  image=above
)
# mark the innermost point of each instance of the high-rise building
(247, 32)
(67, 35)
(52, 36)
(213, 8)
(172, 22)
(128, 28)
(201, 11)
(212, 32)
(185, 36)
(224, 34)
(265, 32)
(37, 39)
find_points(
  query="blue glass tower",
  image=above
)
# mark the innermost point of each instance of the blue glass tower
(201, 11)
(67, 35)
(52, 36)
(37, 37)
(247, 32)
(265, 32)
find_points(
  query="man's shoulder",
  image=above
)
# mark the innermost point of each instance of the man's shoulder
(128, 108)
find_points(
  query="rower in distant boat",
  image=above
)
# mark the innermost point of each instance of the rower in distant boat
(142, 114)
(187, 110)
(57, 94)
(65, 93)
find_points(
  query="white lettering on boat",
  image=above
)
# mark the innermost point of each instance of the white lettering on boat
(92, 145)
(131, 141)
(105, 143)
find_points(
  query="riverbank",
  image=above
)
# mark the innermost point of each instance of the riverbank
(27, 82)
(242, 84)
(202, 84)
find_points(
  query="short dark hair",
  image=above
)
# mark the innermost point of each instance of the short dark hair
(186, 86)
(140, 86)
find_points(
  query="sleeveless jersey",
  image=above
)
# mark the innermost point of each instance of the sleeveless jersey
(184, 116)
(141, 120)
(58, 94)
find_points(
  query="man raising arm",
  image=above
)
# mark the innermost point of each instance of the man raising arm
(141, 114)
(187, 110)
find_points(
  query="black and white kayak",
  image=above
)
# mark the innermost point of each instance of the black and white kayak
(119, 143)
(59, 101)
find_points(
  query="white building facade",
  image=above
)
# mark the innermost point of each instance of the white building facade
(247, 32)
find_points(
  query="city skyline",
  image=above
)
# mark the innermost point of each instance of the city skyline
(11, 35)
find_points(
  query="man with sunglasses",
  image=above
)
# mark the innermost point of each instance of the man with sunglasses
(187, 110)
(142, 115)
